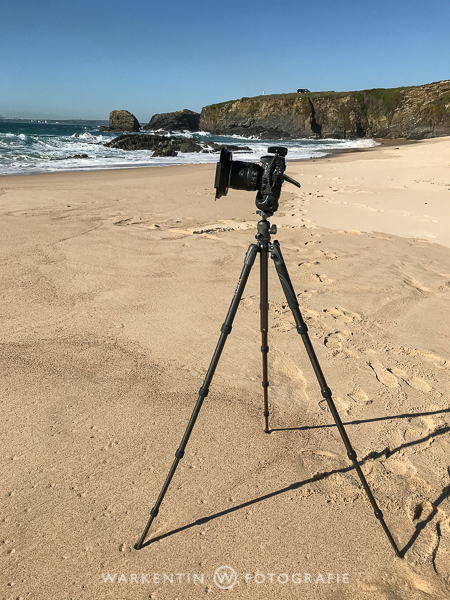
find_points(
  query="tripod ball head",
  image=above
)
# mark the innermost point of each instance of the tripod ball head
(265, 178)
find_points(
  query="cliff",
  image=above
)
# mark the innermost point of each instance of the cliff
(410, 112)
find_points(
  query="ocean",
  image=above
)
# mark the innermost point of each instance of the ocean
(52, 146)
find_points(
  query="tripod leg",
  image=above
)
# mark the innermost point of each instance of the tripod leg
(203, 392)
(326, 392)
(264, 308)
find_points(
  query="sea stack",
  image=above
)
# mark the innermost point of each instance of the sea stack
(122, 120)
(182, 120)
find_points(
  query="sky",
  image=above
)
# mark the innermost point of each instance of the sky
(83, 59)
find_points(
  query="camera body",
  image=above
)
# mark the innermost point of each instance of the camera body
(265, 178)
(272, 180)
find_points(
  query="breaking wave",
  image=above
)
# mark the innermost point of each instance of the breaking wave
(40, 148)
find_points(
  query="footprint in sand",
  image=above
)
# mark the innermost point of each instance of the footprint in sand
(337, 341)
(433, 542)
(306, 295)
(309, 264)
(429, 424)
(279, 308)
(421, 429)
(442, 551)
(282, 315)
(402, 467)
(415, 382)
(315, 277)
(420, 584)
(344, 405)
(246, 301)
(311, 313)
(384, 375)
(329, 255)
(360, 397)
(323, 278)
(437, 360)
(283, 327)
(337, 312)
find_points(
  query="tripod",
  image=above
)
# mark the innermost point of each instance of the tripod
(264, 247)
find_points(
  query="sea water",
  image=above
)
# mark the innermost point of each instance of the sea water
(49, 147)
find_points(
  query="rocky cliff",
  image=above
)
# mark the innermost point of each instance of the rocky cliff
(410, 112)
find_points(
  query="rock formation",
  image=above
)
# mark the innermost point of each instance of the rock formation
(163, 145)
(410, 112)
(182, 120)
(154, 142)
(121, 120)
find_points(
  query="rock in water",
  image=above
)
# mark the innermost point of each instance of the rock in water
(182, 120)
(163, 145)
(156, 143)
(164, 151)
(121, 120)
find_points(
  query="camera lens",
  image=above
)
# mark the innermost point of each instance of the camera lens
(236, 174)
(245, 176)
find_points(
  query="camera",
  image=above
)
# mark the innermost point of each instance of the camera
(266, 177)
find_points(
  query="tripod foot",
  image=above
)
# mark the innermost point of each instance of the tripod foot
(266, 422)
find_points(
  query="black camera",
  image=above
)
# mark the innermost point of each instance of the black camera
(265, 178)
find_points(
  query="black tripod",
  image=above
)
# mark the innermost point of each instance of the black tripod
(264, 247)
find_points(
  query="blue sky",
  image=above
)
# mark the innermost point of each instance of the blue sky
(82, 59)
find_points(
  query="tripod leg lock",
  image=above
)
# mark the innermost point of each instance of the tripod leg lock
(326, 393)
(226, 329)
(154, 512)
(379, 514)
(352, 455)
(265, 384)
(265, 349)
(203, 392)
(303, 328)
(179, 454)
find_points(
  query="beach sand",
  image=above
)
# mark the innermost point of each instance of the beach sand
(114, 286)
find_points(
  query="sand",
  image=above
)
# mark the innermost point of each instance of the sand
(114, 288)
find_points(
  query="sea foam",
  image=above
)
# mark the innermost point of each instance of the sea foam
(43, 148)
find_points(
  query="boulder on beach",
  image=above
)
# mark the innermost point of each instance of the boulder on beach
(121, 120)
